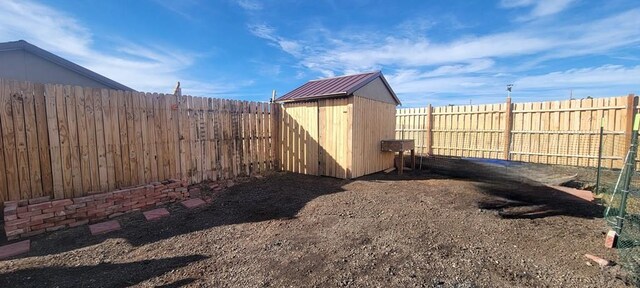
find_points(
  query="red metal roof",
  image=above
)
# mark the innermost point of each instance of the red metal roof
(333, 87)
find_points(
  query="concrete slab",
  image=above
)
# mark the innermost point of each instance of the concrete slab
(156, 214)
(8, 251)
(192, 203)
(104, 227)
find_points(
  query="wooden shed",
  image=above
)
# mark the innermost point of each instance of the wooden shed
(333, 127)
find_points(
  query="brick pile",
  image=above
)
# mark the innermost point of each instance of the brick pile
(26, 218)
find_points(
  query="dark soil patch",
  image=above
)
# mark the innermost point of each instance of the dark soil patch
(383, 230)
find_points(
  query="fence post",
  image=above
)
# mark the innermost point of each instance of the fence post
(508, 118)
(275, 135)
(429, 142)
(629, 112)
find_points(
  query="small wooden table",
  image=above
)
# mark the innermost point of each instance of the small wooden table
(400, 146)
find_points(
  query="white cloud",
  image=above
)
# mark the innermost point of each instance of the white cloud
(249, 5)
(606, 75)
(540, 8)
(473, 65)
(418, 88)
(142, 67)
(269, 33)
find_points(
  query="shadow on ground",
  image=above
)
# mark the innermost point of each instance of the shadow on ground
(277, 197)
(100, 275)
(513, 195)
(282, 195)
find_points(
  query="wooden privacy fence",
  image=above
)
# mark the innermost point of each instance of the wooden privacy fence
(555, 132)
(68, 141)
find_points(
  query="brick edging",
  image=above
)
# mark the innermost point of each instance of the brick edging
(26, 218)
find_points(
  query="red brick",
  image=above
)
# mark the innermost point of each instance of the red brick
(63, 202)
(53, 209)
(102, 196)
(139, 191)
(104, 205)
(16, 222)
(39, 200)
(63, 213)
(14, 232)
(156, 214)
(10, 203)
(55, 219)
(611, 239)
(10, 217)
(41, 216)
(97, 201)
(23, 203)
(139, 205)
(76, 206)
(104, 227)
(10, 210)
(39, 206)
(27, 215)
(14, 249)
(22, 209)
(82, 199)
(115, 215)
(78, 223)
(42, 226)
(31, 223)
(119, 201)
(192, 203)
(173, 185)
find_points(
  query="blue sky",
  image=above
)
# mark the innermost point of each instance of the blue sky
(438, 52)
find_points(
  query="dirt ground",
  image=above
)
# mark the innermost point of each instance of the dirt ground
(420, 229)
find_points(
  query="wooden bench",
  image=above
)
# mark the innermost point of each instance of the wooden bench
(394, 145)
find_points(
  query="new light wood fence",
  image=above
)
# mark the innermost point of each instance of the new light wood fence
(67, 141)
(556, 132)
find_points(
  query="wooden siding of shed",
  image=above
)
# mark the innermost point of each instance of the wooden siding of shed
(338, 137)
(334, 119)
(299, 138)
(376, 90)
(371, 124)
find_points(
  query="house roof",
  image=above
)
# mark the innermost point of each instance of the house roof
(334, 87)
(35, 50)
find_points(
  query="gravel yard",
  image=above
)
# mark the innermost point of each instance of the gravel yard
(383, 230)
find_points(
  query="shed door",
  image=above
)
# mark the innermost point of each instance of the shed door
(334, 137)
(300, 138)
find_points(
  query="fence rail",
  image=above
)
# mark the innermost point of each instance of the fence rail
(555, 132)
(68, 141)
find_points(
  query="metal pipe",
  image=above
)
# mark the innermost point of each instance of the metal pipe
(599, 156)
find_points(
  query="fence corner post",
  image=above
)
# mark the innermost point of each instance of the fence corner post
(429, 141)
(629, 113)
(507, 129)
(276, 139)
